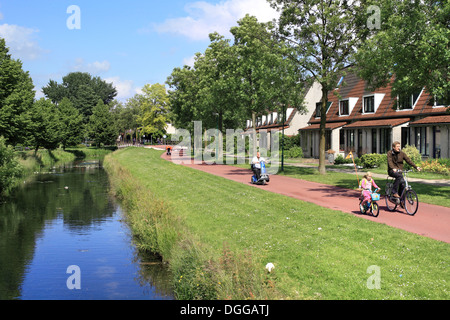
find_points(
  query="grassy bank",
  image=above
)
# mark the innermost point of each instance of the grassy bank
(217, 235)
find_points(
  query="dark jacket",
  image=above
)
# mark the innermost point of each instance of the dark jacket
(395, 160)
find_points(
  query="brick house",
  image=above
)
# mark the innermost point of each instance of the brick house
(364, 121)
(294, 120)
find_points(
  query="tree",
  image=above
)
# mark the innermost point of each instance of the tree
(16, 97)
(82, 90)
(324, 36)
(411, 47)
(10, 169)
(45, 126)
(125, 115)
(217, 85)
(72, 126)
(184, 85)
(253, 66)
(101, 127)
(155, 107)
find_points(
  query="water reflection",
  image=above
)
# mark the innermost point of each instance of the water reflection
(66, 217)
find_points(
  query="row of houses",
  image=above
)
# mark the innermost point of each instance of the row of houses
(365, 121)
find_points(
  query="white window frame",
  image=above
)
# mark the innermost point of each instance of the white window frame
(411, 97)
(377, 98)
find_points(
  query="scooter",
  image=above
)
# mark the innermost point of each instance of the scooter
(263, 177)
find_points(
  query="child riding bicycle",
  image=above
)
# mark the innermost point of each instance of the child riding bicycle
(366, 186)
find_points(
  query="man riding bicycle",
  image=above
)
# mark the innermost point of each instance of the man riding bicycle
(395, 158)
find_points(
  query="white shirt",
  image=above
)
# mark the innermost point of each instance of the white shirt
(257, 161)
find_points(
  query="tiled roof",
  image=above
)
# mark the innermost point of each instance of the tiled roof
(328, 126)
(432, 120)
(378, 123)
(356, 88)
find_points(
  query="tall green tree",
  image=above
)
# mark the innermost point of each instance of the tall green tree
(267, 80)
(16, 97)
(72, 126)
(155, 108)
(410, 47)
(218, 84)
(101, 127)
(324, 36)
(254, 66)
(82, 90)
(45, 127)
(125, 114)
(183, 96)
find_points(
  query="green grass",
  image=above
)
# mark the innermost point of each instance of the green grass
(318, 253)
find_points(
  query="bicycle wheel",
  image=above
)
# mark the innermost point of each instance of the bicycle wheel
(391, 202)
(361, 208)
(375, 209)
(411, 202)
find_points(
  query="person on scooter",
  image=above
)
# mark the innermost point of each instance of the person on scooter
(256, 165)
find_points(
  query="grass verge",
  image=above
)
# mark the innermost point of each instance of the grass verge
(217, 236)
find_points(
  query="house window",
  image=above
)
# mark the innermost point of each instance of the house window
(328, 140)
(369, 104)
(444, 100)
(421, 140)
(351, 140)
(341, 140)
(407, 102)
(385, 140)
(374, 140)
(318, 107)
(344, 109)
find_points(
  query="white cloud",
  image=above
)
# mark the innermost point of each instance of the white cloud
(20, 41)
(189, 61)
(93, 68)
(204, 18)
(125, 88)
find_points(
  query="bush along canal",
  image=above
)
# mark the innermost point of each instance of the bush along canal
(62, 236)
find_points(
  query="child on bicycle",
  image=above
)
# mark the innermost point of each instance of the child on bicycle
(366, 186)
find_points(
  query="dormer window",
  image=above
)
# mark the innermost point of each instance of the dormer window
(372, 102)
(369, 104)
(344, 109)
(407, 102)
(319, 105)
(443, 101)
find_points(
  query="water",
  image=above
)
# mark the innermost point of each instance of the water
(66, 218)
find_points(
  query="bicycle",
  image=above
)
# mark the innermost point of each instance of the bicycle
(408, 199)
(371, 206)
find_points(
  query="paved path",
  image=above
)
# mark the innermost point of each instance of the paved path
(430, 220)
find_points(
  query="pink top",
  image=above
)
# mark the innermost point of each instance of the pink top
(367, 185)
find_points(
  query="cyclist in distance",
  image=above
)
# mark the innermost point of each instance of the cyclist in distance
(395, 158)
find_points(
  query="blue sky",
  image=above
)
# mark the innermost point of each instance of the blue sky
(129, 43)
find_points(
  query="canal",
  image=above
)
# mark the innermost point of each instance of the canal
(62, 236)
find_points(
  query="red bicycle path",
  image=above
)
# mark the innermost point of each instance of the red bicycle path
(430, 220)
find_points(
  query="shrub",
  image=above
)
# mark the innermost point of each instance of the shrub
(373, 160)
(435, 166)
(341, 160)
(295, 152)
(413, 154)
